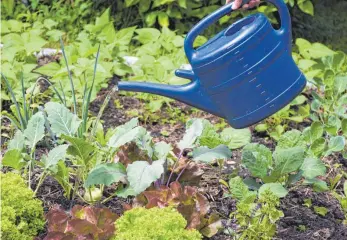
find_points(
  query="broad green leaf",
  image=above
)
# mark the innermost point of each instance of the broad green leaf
(306, 6)
(318, 50)
(103, 20)
(345, 188)
(291, 139)
(124, 36)
(17, 142)
(206, 155)
(287, 161)
(56, 154)
(214, 224)
(124, 136)
(146, 35)
(35, 130)
(257, 158)
(163, 19)
(303, 46)
(318, 185)
(79, 147)
(236, 138)
(333, 125)
(261, 127)
(313, 167)
(49, 23)
(161, 150)
(106, 173)
(299, 100)
(193, 131)
(276, 188)
(49, 69)
(252, 183)
(340, 84)
(316, 131)
(151, 18)
(329, 77)
(336, 144)
(305, 64)
(144, 141)
(129, 3)
(318, 146)
(32, 42)
(209, 136)
(13, 158)
(238, 188)
(61, 119)
(321, 210)
(141, 174)
(125, 192)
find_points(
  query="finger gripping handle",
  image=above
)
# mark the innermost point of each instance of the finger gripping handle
(203, 24)
(221, 12)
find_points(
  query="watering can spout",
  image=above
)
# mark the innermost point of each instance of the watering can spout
(190, 93)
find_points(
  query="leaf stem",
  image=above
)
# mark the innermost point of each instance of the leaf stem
(180, 174)
(42, 177)
(173, 168)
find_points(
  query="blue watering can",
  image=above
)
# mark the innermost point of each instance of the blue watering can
(244, 74)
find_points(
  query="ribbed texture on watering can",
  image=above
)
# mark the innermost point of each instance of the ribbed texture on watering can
(238, 36)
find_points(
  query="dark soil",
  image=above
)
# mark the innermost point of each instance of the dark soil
(316, 226)
(296, 214)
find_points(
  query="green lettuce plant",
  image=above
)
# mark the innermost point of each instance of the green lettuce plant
(193, 206)
(21, 214)
(154, 223)
(256, 213)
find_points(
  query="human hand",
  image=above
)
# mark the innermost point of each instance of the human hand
(237, 4)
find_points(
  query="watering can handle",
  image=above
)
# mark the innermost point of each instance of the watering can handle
(221, 12)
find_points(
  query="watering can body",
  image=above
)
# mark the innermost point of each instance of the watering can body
(244, 74)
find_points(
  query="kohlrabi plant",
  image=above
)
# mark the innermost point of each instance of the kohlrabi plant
(139, 162)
